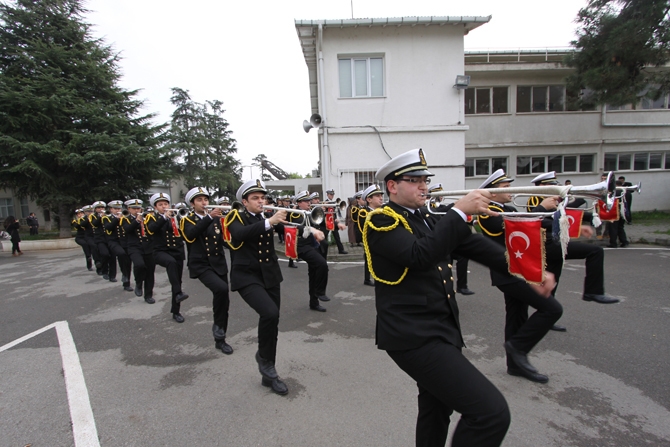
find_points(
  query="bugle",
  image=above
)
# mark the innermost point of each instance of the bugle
(622, 190)
(316, 215)
(605, 191)
(181, 212)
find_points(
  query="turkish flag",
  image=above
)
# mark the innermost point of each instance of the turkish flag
(611, 215)
(575, 217)
(175, 229)
(524, 240)
(330, 222)
(290, 236)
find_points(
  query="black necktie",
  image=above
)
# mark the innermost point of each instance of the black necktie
(419, 214)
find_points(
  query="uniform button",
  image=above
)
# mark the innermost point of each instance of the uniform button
(444, 281)
(452, 278)
(260, 260)
(439, 268)
(449, 265)
(267, 260)
(448, 296)
(267, 251)
(260, 243)
(260, 251)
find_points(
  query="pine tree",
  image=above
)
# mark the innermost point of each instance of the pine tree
(69, 134)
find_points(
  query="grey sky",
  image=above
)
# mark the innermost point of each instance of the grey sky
(247, 55)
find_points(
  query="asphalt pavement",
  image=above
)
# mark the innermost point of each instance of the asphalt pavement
(133, 376)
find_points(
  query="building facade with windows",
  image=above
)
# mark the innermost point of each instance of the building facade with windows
(383, 87)
(20, 208)
(522, 119)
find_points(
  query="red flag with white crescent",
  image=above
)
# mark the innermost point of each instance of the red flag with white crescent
(290, 236)
(575, 217)
(330, 222)
(608, 216)
(524, 240)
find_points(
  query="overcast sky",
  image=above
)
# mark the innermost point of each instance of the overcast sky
(247, 54)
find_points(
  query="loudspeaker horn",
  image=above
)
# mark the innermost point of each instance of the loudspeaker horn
(315, 120)
(306, 126)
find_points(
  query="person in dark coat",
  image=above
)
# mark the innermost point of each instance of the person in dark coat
(79, 224)
(417, 313)
(256, 275)
(140, 250)
(12, 227)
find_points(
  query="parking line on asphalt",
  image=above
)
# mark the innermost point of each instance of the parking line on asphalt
(83, 424)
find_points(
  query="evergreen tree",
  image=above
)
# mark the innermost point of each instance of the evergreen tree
(69, 134)
(620, 45)
(199, 136)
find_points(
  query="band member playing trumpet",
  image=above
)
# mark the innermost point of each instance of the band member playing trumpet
(78, 223)
(521, 332)
(339, 225)
(417, 314)
(140, 250)
(256, 275)
(308, 250)
(100, 238)
(85, 223)
(203, 234)
(374, 197)
(117, 243)
(168, 248)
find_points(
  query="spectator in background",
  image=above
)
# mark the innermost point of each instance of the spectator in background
(31, 220)
(568, 182)
(12, 227)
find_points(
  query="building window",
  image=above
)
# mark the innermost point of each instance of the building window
(364, 179)
(361, 77)
(6, 208)
(559, 163)
(485, 100)
(483, 167)
(640, 161)
(540, 98)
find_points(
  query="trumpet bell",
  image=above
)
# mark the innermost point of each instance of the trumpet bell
(317, 215)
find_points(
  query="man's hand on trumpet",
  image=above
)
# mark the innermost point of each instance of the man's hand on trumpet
(551, 203)
(278, 217)
(215, 212)
(476, 202)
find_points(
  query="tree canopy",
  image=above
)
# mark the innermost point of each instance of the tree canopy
(200, 138)
(69, 134)
(621, 45)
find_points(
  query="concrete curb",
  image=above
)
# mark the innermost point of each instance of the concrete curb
(46, 244)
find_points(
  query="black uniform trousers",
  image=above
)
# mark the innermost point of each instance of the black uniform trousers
(81, 241)
(144, 270)
(617, 231)
(174, 266)
(366, 268)
(317, 272)
(323, 245)
(266, 302)
(105, 259)
(448, 382)
(218, 284)
(119, 253)
(595, 258)
(461, 272)
(93, 247)
(524, 332)
(338, 242)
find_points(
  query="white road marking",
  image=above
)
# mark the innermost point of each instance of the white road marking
(83, 424)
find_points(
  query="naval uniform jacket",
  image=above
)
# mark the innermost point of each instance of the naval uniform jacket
(78, 224)
(204, 240)
(255, 261)
(136, 242)
(422, 307)
(114, 230)
(160, 229)
(99, 236)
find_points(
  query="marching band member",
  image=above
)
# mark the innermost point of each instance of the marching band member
(323, 245)
(354, 221)
(89, 237)
(338, 225)
(522, 332)
(100, 239)
(168, 248)
(308, 250)
(594, 282)
(256, 275)
(80, 238)
(417, 314)
(374, 198)
(203, 233)
(117, 243)
(140, 250)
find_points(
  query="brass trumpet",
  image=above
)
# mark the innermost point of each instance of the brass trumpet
(181, 212)
(605, 191)
(316, 215)
(622, 190)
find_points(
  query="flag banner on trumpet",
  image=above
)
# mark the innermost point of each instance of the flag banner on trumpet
(330, 222)
(524, 240)
(609, 216)
(175, 228)
(575, 217)
(290, 236)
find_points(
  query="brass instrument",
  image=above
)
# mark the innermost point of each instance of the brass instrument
(622, 190)
(604, 191)
(181, 212)
(316, 215)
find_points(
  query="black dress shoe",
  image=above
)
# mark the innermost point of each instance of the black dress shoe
(181, 296)
(277, 385)
(532, 376)
(130, 289)
(465, 291)
(344, 252)
(368, 282)
(178, 318)
(625, 244)
(559, 328)
(113, 280)
(223, 346)
(323, 298)
(519, 358)
(292, 265)
(318, 308)
(266, 367)
(602, 299)
(149, 299)
(106, 277)
(138, 290)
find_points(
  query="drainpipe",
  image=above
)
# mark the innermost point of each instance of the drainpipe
(604, 123)
(325, 149)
